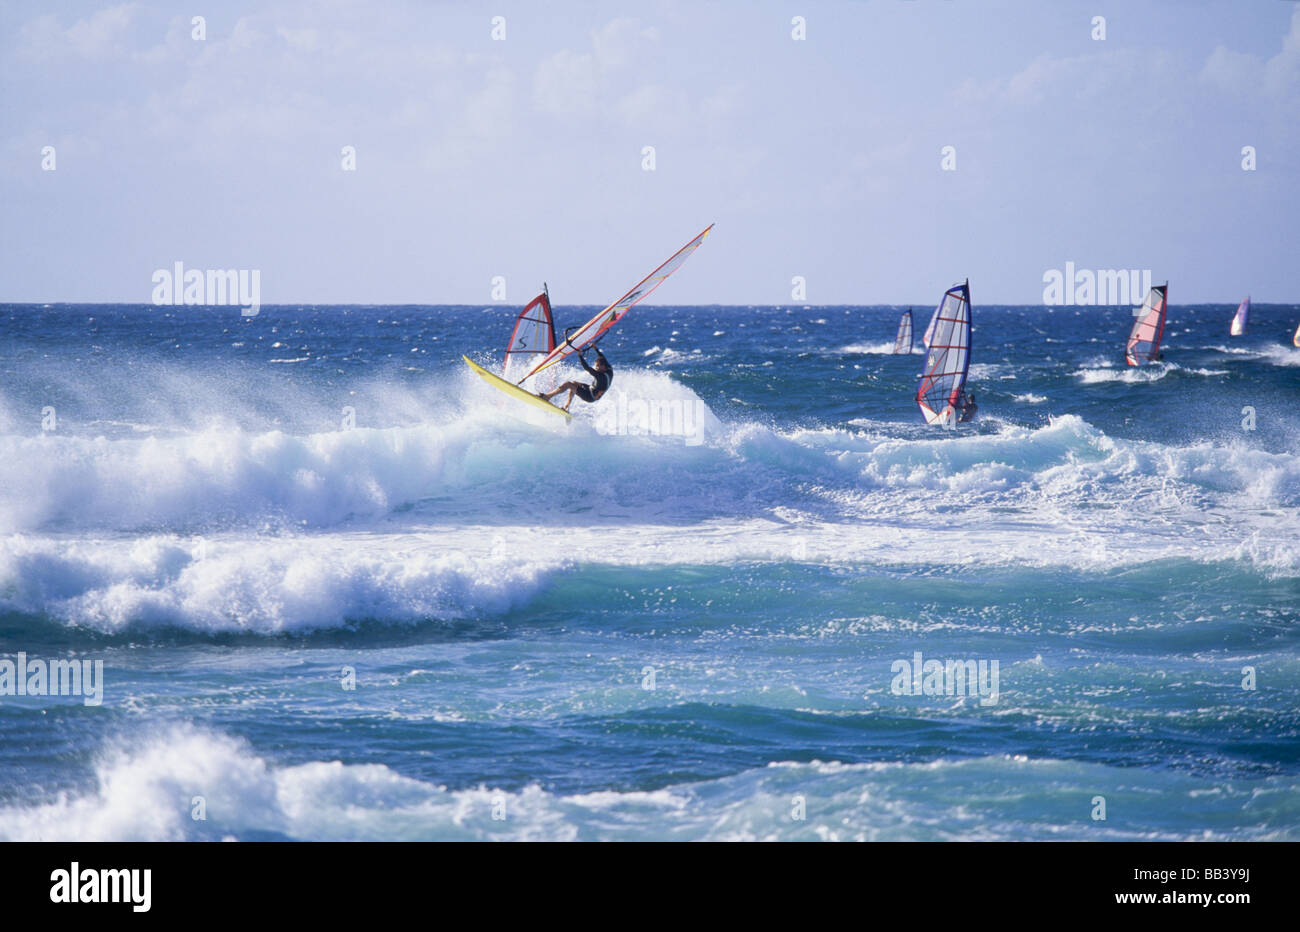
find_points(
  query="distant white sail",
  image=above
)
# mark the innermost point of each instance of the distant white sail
(1238, 326)
(929, 331)
(903, 342)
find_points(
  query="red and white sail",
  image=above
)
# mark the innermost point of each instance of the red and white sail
(1144, 338)
(532, 339)
(595, 328)
(948, 361)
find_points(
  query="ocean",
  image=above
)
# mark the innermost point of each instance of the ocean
(338, 588)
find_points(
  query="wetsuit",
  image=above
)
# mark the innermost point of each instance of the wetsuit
(590, 394)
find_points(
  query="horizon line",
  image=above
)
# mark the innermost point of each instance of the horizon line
(509, 304)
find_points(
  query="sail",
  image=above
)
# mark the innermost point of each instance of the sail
(903, 342)
(1295, 340)
(929, 331)
(595, 328)
(948, 361)
(1239, 319)
(532, 338)
(1144, 340)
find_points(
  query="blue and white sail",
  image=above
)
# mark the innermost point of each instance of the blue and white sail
(939, 393)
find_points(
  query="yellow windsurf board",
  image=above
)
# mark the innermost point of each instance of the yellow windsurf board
(514, 391)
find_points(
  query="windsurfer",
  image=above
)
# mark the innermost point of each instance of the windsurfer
(967, 406)
(602, 372)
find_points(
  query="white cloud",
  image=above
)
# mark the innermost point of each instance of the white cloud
(577, 83)
(1100, 77)
(1229, 70)
(1242, 73)
(619, 42)
(99, 36)
(305, 40)
(652, 104)
(725, 102)
(565, 84)
(488, 112)
(1128, 75)
(245, 35)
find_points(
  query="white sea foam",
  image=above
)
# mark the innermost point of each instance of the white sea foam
(1277, 354)
(240, 584)
(396, 524)
(868, 349)
(263, 586)
(222, 474)
(144, 789)
(1152, 372)
(1280, 355)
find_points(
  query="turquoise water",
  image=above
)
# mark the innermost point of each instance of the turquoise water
(603, 631)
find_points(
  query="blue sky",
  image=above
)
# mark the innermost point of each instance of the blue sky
(522, 158)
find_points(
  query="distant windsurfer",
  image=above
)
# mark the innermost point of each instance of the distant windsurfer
(602, 372)
(966, 404)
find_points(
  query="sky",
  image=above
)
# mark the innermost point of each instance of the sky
(523, 157)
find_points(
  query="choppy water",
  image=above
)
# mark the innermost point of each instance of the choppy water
(199, 520)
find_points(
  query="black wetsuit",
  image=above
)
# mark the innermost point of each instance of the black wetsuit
(590, 394)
